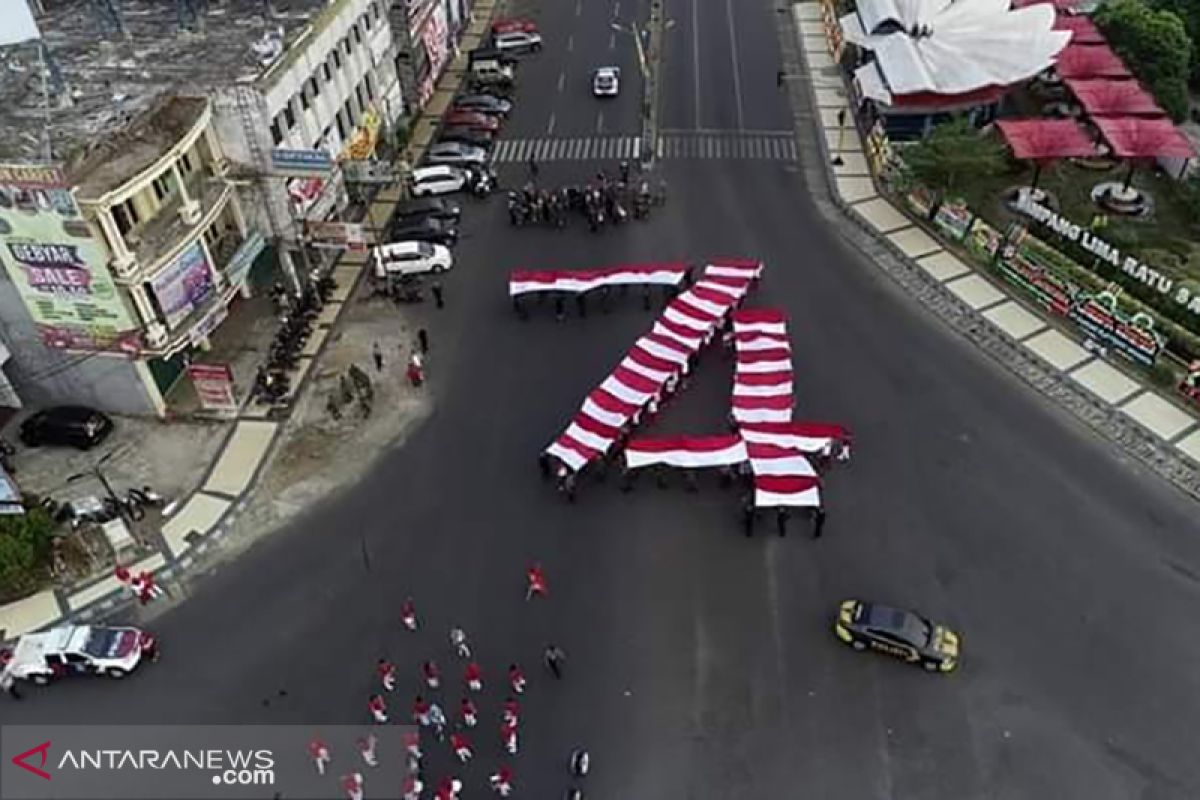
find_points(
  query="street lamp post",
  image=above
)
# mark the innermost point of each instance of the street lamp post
(98, 474)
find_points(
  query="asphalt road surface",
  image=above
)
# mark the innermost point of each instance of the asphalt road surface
(702, 664)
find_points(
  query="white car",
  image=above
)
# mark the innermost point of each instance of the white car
(456, 153)
(517, 42)
(411, 258)
(606, 82)
(439, 179)
(80, 650)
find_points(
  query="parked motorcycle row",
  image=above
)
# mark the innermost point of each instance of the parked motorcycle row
(132, 507)
(601, 202)
(297, 316)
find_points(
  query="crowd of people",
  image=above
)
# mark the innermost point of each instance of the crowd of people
(603, 200)
(603, 298)
(446, 706)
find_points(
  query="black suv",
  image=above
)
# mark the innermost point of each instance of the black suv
(67, 426)
(427, 207)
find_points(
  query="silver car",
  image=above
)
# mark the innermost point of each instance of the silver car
(456, 153)
(517, 42)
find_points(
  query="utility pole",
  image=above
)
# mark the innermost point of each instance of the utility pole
(649, 42)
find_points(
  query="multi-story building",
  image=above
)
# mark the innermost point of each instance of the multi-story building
(127, 248)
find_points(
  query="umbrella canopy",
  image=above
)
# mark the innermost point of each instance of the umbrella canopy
(1137, 137)
(1108, 98)
(1090, 61)
(1083, 30)
(1041, 139)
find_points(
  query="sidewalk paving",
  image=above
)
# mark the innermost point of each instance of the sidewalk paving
(853, 182)
(253, 449)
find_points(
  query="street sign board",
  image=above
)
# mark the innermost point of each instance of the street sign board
(350, 235)
(307, 163)
(214, 386)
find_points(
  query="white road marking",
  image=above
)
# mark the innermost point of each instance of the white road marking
(612, 40)
(600, 122)
(570, 42)
(696, 57)
(550, 125)
(616, 10)
(562, 80)
(578, 7)
(733, 53)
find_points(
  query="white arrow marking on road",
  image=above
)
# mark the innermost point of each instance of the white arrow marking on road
(600, 122)
(550, 125)
(562, 79)
(733, 54)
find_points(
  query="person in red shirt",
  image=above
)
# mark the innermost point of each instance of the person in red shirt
(469, 713)
(502, 781)
(408, 614)
(537, 581)
(319, 752)
(461, 747)
(378, 709)
(512, 711)
(448, 789)
(473, 676)
(420, 711)
(433, 676)
(508, 734)
(366, 747)
(352, 784)
(516, 679)
(387, 674)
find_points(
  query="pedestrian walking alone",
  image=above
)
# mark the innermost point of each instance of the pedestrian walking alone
(387, 674)
(469, 713)
(554, 657)
(416, 372)
(432, 675)
(537, 581)
(439, 296)
(423, 340)
(516, 679)
(377, 354)
(461, 747)
(473, 677)
(818, 522)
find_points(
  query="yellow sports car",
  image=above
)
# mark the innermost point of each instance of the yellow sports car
(899, 633)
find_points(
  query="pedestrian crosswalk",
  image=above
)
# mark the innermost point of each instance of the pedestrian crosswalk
(588, 148)
(681, 145)
(737, 145)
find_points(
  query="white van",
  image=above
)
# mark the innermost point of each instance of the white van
(411, 258)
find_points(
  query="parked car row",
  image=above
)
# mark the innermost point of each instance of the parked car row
(422, 231)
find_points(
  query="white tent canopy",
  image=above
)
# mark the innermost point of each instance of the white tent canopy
(954, 47)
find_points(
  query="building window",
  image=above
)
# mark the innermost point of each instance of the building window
(337, 59)
(314, 86)
(303, 99)
(163, 185)
(346, 45)
(328, 74)
(185, 162)
(276, 134)
(366, 19)
(370, 81)
(357, 34)
(341, 127)
(289, 117)
(358, 92)
(126, 216)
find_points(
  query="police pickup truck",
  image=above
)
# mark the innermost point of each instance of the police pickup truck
(80, 650)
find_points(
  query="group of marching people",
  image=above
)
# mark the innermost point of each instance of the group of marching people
(428, 713)
(603, 298)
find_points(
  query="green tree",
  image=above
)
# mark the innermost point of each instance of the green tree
(1155, 47)
(1189, 12)
(25, 543)
(953, 154)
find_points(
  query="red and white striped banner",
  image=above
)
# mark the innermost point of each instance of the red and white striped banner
(691, 452)
(687, 324)
(524, 281)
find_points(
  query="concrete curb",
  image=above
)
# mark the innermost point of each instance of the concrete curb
(1106, 420)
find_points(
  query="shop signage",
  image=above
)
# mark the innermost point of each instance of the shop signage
(207, 324)
(349, 235)
(301, 162)
(1088, 241)
(366, 136)
(184, 286)
(242, 259)
(214, 386)
(1102, 318)
(58, 269)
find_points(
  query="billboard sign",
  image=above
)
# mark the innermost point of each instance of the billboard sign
(301, 162)
(214, 386)
(183, 286)
(243, 258)
(350, 235)
(58, 268)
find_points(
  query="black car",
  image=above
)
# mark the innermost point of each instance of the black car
(463, 135)
(484, 103)
(425, 229)
(427, 207)
(491, 54)
(66, 426)
(897, 632)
